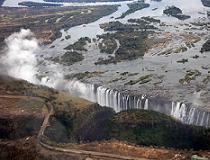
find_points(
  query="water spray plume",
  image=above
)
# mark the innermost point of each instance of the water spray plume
(20, 61)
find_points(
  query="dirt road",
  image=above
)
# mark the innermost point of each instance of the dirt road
(60, 149)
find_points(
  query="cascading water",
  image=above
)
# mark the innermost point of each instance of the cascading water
(186, 113)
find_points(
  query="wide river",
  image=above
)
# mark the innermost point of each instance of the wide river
(164, 66)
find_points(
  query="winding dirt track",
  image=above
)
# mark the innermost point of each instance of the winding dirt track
(60, 149)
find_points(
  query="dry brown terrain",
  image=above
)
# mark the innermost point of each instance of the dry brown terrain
(47, 22)
(123, 148)
(21, 120)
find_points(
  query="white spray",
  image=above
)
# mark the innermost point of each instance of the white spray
(19, 60)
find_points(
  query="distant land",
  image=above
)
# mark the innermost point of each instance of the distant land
(81, 1)
(36, 4)
(47, 27)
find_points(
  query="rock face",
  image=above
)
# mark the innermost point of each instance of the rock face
(206, 3)
(175, 12)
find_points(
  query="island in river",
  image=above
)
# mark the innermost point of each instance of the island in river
(130, 65)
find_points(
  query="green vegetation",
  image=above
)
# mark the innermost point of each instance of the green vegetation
(37, 4)
(145, 22)
(117, 26)
(117, 79)
(140, 127)
(151, 20)
(191, 75)
(137, 25)
(111, 59)
(151, 128)
(141, 80)
(83, 125)
(142, 24)
(135, 6)
(131, 37)
(79, 45)
(132, 46)
(83, 75)
(72, 55)
(108, 45)
(175, 12)
(77, 121)
(69, 58)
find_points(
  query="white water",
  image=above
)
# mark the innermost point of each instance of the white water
(186, 113)
(12, 3)
(20, 59)
(112, 98)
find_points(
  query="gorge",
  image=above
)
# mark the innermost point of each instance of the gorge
(119, 101)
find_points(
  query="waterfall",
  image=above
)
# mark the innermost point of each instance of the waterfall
(178, 111)
(146, 104)
(119, 101)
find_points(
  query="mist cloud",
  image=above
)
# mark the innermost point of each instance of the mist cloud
(20, 61)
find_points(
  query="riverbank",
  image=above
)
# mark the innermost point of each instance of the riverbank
(22, 99)
(46, 23)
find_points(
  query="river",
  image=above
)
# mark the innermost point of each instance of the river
(158, 65)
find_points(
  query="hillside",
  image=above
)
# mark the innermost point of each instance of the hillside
(81, 125)
(153, 128)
